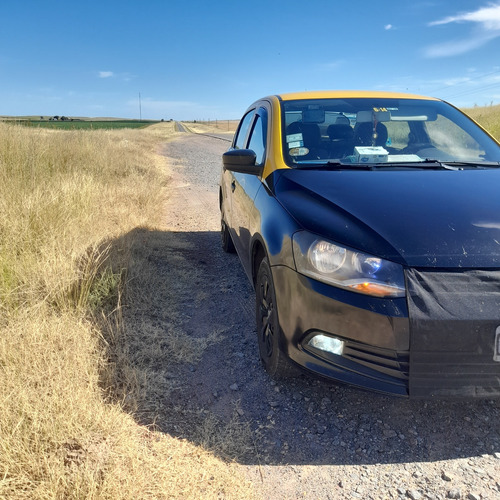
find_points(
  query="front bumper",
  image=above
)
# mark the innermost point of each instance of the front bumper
(392, 346)
(454, 319)
(375, 332)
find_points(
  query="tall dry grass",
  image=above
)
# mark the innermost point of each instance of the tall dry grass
(488, 117)
(63, 196)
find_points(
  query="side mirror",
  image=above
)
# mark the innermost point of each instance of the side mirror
(242, 161)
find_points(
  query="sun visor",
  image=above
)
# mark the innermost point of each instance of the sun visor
(413, 113)
(454, 333)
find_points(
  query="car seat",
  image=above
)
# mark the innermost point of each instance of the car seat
(341, 139)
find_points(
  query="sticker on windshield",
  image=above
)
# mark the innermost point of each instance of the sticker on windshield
(297, 144)
(298, 151)
(294, 137)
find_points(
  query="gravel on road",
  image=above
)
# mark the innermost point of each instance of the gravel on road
(300, 438)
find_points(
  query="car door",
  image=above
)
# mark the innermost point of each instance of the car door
(244, 188)
(228, 182)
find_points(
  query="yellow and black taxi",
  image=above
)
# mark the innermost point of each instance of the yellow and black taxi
(369, 226)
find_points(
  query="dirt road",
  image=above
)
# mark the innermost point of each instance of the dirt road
(191, 334)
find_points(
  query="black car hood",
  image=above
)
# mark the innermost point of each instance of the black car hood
(419, 218)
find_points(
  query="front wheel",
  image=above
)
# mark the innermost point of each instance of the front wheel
(268, 329)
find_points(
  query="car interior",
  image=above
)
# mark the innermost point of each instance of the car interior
(399, 133)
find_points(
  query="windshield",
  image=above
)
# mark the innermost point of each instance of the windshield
(374, 131)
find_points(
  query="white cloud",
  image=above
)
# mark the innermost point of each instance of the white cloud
(487, 27)
(457, 47)
(388, 27)
(487, 17)
(105, 74)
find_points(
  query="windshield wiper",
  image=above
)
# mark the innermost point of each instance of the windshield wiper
(338, 165)
(428, 163)
(448, 165)
(478, 164)
(333, 165)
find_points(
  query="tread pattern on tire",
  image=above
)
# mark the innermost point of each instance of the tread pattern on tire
(276, 364)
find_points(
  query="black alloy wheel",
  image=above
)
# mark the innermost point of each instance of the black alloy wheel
(226, 241)
(268, 330)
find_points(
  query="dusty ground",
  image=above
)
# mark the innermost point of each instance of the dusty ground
(202, 380)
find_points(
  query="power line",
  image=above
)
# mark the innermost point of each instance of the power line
(475, 91)
(455, 91)
(464, 83)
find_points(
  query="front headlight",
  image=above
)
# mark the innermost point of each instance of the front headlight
(339, 266)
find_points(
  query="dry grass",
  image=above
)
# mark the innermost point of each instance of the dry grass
(488, 117)
(228, 126)
(65, 195)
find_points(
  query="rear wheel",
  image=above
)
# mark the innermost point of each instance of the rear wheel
(225, 236)
(268, 329)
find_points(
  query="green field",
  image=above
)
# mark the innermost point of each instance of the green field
(85, 124)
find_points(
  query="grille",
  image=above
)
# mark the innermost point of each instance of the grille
(385, 361)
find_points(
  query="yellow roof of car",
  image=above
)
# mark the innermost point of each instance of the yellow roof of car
(341, 94)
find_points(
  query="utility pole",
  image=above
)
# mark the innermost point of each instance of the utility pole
(140, 108)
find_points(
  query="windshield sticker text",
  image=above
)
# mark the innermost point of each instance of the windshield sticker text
(294, 137)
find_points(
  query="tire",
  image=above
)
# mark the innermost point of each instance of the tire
(275, 362)
(225, 236)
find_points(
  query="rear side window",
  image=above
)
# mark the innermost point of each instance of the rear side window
(239, 143)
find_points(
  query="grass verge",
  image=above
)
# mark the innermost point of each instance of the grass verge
(66, 195)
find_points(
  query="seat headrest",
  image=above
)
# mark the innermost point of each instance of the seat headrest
(363, 134)
(311, 133)
(339, 131)
(342, 120)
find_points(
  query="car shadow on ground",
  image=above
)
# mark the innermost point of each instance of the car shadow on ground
(188, 343)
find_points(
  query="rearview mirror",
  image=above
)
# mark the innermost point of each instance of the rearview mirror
(369, 115)
(313, 116)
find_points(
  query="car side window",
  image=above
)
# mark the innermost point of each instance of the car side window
(258, 138)
(239, 143)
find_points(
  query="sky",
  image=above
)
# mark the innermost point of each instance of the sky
(200, 60)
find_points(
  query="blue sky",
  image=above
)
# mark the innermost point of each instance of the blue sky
(210, 59)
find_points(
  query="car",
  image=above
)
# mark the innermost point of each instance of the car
(369, 226)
